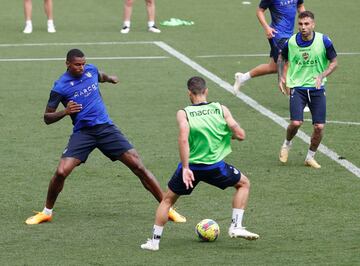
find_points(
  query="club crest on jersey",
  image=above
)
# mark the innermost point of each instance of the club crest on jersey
(88, 74)
(305, 56)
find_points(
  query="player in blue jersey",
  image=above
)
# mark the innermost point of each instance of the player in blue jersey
(283, 13)
(78, 90)
(310, 57)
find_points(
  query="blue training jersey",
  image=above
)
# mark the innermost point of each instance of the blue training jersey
(283, 13)
(83, 90)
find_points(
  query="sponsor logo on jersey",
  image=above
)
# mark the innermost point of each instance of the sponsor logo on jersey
(211, 111)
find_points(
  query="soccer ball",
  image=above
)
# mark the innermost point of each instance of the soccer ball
(207, 230)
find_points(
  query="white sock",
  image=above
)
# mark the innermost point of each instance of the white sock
(28, 22)
(237, 217)
(50, 22)
(151, 24)
(157, 232)
(310, 155)
(47, 211)
(126, 23)
(245, 77)
(287, 143)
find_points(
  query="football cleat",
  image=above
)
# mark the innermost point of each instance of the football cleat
(154, 29)
(150, 245)
(28, 28)
(175, 216)
(284, 154)
(125, 30)
(235, 232)
(39, 217)
(51, 28)
(312, 163)
(238, 83)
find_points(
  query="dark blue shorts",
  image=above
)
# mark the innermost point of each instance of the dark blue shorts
(107, 138)
(221, 175)
(276, 47)
(315, 99)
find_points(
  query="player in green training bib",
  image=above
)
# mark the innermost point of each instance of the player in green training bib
(205, 132)
(310, 57)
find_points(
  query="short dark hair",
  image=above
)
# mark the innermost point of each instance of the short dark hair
(196, 85)
(307, 14)
(74, 53)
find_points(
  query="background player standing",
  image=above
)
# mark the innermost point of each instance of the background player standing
(310, 57)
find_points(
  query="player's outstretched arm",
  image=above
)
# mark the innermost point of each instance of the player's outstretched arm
(103, 77)
(238, 132)
(184, 148)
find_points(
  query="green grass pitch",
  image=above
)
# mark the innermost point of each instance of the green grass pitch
(304, 216)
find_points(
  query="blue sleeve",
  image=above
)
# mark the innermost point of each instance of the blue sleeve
(285, 51)
(54, 99)
(330, 50)
(264, 4)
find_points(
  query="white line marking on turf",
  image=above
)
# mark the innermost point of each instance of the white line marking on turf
(89, 58)
(246, 99)
(257, 55)
(72, 43)
(332, 122)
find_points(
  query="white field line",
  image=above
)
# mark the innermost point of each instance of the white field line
(246, 99)
(257, 55)
(332, 122)
(89, 58)
(71, 44)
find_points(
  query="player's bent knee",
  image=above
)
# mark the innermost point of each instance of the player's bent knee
(319, 127)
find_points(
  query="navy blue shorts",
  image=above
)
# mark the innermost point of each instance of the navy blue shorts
(276, 47)
(221, 175)
(107, 138)
(316, 101)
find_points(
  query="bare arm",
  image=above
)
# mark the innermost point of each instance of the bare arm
(184, 148)
(282, 82)
(238, 132)
(301, 8)
(269, 32)
(103, 77)
(331, 68)
(52, 116)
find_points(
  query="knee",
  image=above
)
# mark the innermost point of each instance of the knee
(318, 128)
(296, 124)
(244, 182)
(61, 173)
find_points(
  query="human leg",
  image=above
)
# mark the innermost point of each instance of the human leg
(150, 9)
(56, 185)
(316, 137)
(48, 6)
(128, 4)
(28, 15)
(298, 100)
(291, 132)
(132, 160)
(260, 70)
(239, 204)
(161, 219)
